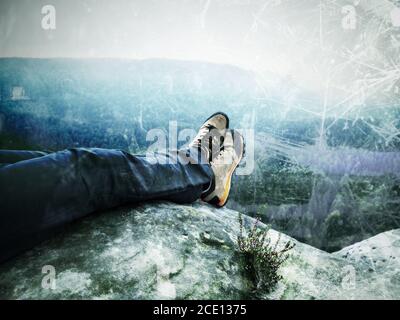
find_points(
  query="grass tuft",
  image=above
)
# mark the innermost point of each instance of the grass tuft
(260, 257)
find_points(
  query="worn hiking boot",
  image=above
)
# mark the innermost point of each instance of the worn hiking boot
(223, 167)
(211, 135)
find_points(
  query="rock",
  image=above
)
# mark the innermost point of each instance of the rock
(377, 260)
(169, 251)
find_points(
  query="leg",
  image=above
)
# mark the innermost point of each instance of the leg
(13, 156)
(40, 195)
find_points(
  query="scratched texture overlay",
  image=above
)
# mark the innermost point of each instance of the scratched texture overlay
(317, 82)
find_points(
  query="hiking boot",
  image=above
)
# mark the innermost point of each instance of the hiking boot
(211, 135)
(223, 167)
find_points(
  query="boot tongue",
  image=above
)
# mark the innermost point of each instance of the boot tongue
(208, 138)
(202, 133)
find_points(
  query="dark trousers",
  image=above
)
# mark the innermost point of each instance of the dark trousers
(41, 192)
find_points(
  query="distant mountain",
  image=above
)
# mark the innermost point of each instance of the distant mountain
(115, 97)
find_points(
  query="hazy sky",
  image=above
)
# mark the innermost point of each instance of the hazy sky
(302, 39)
(195, 29)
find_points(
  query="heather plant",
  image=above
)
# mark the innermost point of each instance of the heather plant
(260, 257)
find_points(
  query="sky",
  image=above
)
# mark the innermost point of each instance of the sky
(310, 41)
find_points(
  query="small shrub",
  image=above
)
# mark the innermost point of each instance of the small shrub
(261, 258)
